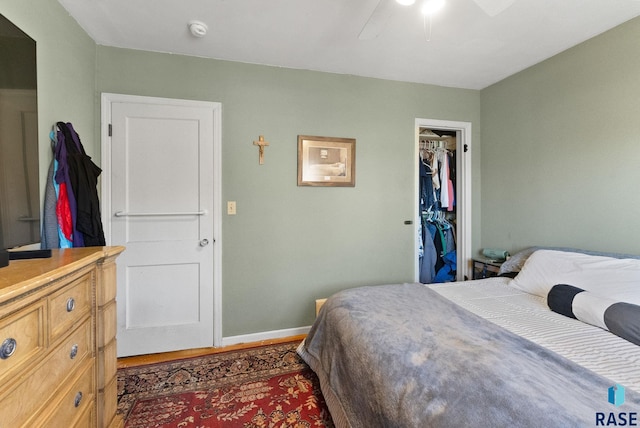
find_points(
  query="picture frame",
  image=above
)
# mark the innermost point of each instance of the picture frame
(326, 161)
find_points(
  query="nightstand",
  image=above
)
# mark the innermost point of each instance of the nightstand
(319, 303)
(485, 268)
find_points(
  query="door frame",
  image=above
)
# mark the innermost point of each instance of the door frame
(463, 192)
(106, 100)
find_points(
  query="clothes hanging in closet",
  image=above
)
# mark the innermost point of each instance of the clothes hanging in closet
(437, 246)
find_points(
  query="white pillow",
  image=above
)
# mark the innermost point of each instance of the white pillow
(617, 279)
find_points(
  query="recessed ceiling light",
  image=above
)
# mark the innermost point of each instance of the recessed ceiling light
(198, 28)
(406, 2)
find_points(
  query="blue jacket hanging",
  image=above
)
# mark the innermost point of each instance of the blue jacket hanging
(448, 271)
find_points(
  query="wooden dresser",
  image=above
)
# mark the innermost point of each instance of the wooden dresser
(57, 340)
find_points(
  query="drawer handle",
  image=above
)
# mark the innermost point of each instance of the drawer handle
(8, 348)
(74, 351)
(78, 399)
(71, 304)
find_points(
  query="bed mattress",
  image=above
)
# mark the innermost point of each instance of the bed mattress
(528, 316)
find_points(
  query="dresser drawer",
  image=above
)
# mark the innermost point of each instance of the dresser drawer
(87, 419)
(71, 404)
(69, 305)
(22, 401)
(22, 340)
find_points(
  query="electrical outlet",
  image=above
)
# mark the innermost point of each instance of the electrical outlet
(231, 207)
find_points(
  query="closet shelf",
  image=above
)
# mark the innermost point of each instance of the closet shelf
(434, 137)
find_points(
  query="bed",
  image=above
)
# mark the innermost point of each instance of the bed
(555, 345)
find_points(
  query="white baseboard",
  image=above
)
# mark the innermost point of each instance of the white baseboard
(266, 335)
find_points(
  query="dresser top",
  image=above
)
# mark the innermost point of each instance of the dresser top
(23, 276)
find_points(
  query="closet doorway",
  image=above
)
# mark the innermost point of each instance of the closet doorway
(443, 201)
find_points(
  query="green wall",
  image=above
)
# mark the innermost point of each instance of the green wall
(559, 157)
(289, 245)
(561, 149)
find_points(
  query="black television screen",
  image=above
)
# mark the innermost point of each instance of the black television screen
(19, 165)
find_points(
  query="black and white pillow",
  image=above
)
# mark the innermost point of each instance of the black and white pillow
(620, 318)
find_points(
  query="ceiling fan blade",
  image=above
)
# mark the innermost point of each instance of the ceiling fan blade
(494, 7)
(378, 20)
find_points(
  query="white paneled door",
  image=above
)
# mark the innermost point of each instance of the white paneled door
(160, 200)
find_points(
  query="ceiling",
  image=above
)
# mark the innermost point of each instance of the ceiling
(467, 48)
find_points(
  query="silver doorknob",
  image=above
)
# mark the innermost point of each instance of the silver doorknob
(204, 242)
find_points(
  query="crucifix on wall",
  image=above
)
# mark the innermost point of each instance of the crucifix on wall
(261, 144)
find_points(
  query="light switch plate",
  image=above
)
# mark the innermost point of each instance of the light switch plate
(231, 207)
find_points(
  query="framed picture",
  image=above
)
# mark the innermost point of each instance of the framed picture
(326, 161)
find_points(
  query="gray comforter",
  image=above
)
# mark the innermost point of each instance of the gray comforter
(403, 356)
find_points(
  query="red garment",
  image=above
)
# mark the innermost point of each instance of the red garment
(63, 212)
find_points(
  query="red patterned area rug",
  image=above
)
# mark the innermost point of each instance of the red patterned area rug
(268, 386)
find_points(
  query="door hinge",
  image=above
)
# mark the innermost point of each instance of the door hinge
(466, 146)
(111, 132)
